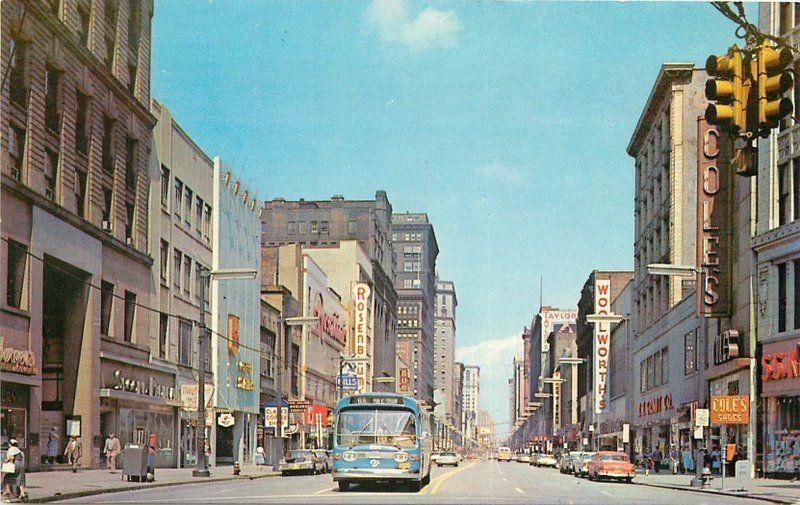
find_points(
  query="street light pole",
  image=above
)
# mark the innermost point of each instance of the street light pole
(201, 466)
(701, 393)
(279, 385)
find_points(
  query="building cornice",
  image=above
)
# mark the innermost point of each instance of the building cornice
(789, 233)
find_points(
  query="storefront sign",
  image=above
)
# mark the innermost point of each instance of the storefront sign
(780, 365)
(147, 388)
(403, 382)
(16, 361)
(189, 396)
(271, 417)
(726, 346)
(654, 405)
(332, 325)
(226, 420)
(701, 417)
(361, 294)
(602, 347)
(298, 407)
(244, 383)
(316, 413)
(730, 409)
(233, 334)
(714, 188)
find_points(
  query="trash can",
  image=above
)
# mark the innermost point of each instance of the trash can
(134, 463)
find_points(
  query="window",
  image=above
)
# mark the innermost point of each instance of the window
(406, 283)
(16, 77)
(796, 294)
(689, 352)
(664, 366)
(187, 274)
(197, 279)
(83, 25)
(108, 133)
(785, 17)
(207, 222)
(291, 228)
(80, 193)
(164, 260)
(351, 227)
(130, 312)
(107, 196)
(164, 185)
(106, 303)
(129, 211)
(51, 175)
(132, 71)
(134, 24)
(178, 200)
(303, 229)
(198, 216)
(130, 163)
(184, 343)
(51, 78)
(81, 115)
(782, 294)
(267, 353)
(324, 228)
(294, 368)
(314, 227)
(177, 257)
(16, 147)
(111, 29)
(796, 184)
(187, 195)
(17, 259)
(784, 194)
(163, 333)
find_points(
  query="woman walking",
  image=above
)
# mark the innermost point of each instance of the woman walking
(52, 445)
(14, 483)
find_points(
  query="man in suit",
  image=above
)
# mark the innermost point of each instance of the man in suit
(73, 452)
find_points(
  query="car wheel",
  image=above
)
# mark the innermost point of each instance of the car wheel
(453, 465)
(344, 486)
(629, 480)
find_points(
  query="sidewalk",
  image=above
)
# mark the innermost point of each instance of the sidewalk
(773, 490)
(60, 485)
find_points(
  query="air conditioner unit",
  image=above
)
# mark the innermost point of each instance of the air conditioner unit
(15, 172)
(129, 240)
(107, 226)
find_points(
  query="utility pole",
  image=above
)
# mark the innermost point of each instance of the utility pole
(201, 466)
(279, 384)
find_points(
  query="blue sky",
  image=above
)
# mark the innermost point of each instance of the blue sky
(506, 122)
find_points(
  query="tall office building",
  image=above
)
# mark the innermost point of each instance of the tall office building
(444, 345)
(471, 400)
(415, 250)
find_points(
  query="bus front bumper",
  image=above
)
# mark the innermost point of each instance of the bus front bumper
(352, 474)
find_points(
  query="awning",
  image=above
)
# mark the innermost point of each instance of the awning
(116, 394)
(284, 403)
(18, 378)
(608, 435)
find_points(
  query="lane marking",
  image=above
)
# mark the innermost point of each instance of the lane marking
(504, 479)
(325, 490)
(518, 490)
(607, 494)
(446, 476)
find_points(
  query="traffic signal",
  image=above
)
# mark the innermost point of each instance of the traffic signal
(774, 79)
(727, 91)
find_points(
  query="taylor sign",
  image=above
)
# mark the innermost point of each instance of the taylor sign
(714, 196)
(361, 294)
(602, 349)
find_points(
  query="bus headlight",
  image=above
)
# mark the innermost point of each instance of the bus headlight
(400, 456)
(349, 456)
(414, 457)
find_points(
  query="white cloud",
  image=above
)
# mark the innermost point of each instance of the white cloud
(431, 28)
(499, 351)
(500, 172)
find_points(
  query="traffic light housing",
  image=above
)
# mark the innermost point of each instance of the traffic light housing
(726, 92)
(774, 79)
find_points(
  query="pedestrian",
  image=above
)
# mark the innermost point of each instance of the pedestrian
(14, 482)
(73, 452)
(151, 457)
(111, 449)
(261, 458)
(52, 445)
(716, 462)
(673, 460)
(688, 461)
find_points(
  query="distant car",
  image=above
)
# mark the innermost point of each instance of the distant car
(547, 460)
(611, 465)
(301, 461)
(326, 458)
(583, 464)
(525, 458)
(565, 462)
(435, 456)
(447, 458)
(471, 457)
(575, 462)
(504, 454)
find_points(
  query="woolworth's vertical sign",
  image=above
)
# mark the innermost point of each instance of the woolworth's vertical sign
(361, 294)
(714, 221)
(602, 347)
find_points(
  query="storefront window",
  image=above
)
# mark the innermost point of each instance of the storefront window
(135, 426)
(783, 435)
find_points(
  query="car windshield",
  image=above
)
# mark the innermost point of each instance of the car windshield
(300, 454)
(613, 457)
(320, 454)
(587, 456)
(374, 426)
(448, 454)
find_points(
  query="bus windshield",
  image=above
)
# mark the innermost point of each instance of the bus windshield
(376, 426)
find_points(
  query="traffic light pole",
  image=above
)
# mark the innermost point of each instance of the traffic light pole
(698, 481)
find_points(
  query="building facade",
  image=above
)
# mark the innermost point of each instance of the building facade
(76, 139)
(325, 223)
(415, 249)
(444, 345)
(471, 401)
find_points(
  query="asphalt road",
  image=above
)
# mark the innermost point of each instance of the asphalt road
(471, 482)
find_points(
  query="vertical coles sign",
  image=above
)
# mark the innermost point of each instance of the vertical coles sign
(361, 294)
(602, 349)
(714, 222)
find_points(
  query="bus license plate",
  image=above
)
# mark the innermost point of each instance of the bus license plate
(404, 465)
(295, 467)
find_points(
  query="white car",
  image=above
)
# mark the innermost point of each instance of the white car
(448, 458)
(547, 460)
(525, 458)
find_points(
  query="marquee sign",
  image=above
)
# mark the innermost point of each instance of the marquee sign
(361, 294)
(233, 334)
(714, 223)
(602, 347)
(654, 405)
(17, 361)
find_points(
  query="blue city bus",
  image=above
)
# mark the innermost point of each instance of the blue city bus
(381, 437)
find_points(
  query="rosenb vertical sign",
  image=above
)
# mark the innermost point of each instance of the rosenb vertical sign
(361, 294)
(714, 221)
(602, 347)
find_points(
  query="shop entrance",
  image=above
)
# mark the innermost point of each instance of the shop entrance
(64, 299)
(224, 444)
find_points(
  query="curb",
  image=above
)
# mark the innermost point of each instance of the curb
(94, 492)
(722, 493)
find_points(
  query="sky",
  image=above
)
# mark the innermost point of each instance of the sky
(507, 122)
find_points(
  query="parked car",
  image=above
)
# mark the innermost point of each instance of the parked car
(471, 457)
(435, 456)
(583, 464)
(611, 465)
(525, 458)
(575, 462)
(547, 460)
(326, 458)
(301, 461)
(565, 463)
(448, 458)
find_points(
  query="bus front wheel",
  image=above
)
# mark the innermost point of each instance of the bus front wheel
(344, 486)
(426, 480)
